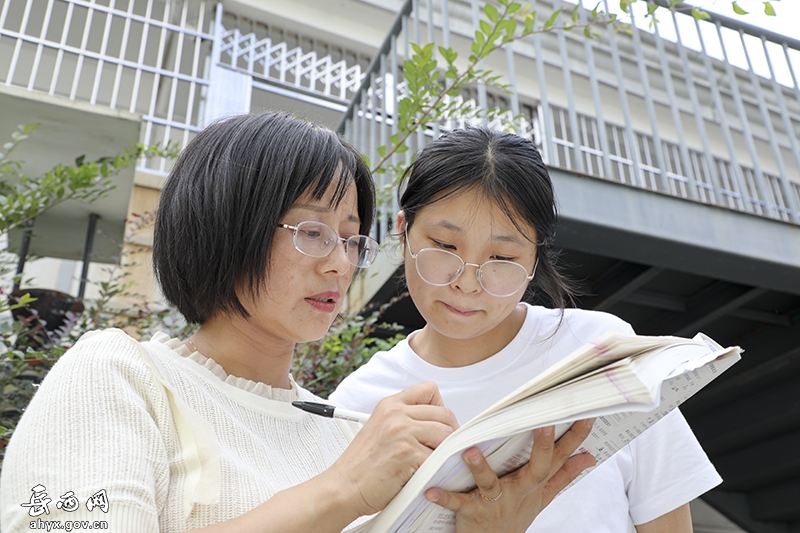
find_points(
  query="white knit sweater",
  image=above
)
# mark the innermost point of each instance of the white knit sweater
(174, 441)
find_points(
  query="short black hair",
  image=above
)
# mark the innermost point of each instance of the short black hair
(507, 169)
(226, 194)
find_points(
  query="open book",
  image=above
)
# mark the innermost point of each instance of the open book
(627, 381)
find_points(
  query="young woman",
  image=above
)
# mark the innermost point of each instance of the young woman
(477, 223)
(260, 228)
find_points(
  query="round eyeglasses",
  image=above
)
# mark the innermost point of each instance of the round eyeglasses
(316, 239)
(498, 277)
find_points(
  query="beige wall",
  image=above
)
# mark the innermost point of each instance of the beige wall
(135, 262)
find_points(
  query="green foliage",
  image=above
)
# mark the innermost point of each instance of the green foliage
(434, 85)
(27, 349)
(697, 12)
(321, 365)
(738, 10)
(23, 198)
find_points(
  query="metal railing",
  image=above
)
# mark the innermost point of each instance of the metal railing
(145, 57)
(707, 110)
(153, 58)
(292, 66)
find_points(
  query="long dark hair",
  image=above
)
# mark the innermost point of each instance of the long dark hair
(506, 169)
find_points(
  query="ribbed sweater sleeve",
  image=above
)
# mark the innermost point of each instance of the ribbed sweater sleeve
(93, 425)
(174, 441)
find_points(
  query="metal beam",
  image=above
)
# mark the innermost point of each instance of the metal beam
(757, 370)
(747, 419)
(24, 246)
(701, 305)
(719, 312)
(657, 300)
(91, 229)
(756, 466)
(734, 506)
(609, 219)
(625, 291)
(762, 316)
(776, 503)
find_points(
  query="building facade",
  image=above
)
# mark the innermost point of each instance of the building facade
(674, 150)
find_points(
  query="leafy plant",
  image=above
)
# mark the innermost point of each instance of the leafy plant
(321, 365)
(28, 348)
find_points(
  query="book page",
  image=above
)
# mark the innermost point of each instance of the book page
(612, 431)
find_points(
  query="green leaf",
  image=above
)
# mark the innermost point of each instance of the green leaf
(486, 28)
(737, 9)
(529, 20)
(491, 12)
(381, 150)
(509, 26)
(448, 54)
(699, 14)
(552, 20)
(769, 9)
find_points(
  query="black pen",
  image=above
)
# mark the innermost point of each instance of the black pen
(331, 411)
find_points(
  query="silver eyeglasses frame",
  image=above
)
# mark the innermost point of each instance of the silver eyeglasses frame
(350, 243)
(464, 265)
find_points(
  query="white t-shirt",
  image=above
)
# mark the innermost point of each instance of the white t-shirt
(661, 470)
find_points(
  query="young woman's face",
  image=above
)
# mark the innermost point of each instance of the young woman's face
(476, 230)
(303, 294)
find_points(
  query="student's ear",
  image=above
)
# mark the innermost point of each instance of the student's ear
(401, 222)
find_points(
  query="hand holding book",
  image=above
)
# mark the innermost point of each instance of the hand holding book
(628, 382)
(520, 495)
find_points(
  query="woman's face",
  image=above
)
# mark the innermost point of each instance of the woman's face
(303, 294)
(477, 230)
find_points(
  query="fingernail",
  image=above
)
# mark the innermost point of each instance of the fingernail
(547, 431)
(433, 498)
(471, 456)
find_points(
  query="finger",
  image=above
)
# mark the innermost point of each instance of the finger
(571, 440)
(430, 433)
(426, 393)
(541, 463)
(572, 468)
(432, 413)
(454, 501)
(424, 403)
(427, 424)
(487, 481)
